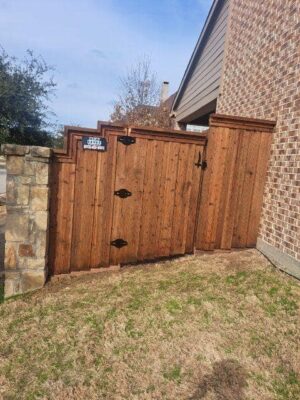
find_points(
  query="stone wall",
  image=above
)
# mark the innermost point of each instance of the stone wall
(261, 80)
(27, 201)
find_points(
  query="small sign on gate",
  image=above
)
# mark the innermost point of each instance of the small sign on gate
(94, 143)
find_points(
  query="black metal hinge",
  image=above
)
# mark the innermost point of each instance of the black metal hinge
(123, 193)
(202, 164)
(127, 140)
(119, 243)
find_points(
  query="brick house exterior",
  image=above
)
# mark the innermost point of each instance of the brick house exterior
(261, 79)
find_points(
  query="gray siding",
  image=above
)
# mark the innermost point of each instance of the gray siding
(203, 83)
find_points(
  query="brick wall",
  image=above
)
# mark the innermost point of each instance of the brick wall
(261, 79)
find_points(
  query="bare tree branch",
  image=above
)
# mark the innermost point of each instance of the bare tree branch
(139, 99)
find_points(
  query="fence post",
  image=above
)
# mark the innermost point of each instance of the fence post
(26, 234)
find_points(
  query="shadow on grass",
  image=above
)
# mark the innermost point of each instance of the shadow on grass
(227, 381)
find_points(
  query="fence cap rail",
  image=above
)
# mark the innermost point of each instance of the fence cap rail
(128, 130)
(231, 121)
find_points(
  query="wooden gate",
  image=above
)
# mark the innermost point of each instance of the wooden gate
(136, 201)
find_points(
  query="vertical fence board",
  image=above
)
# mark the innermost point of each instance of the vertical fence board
(230, 192)
(149, 223)
(157, 179)
(145, 222)
(247, 189)
(84, 203)
(61, 217)
(227, 155)
(193, 206)
(212, 186)
(127, 212)
(241, 167)
(165, 233)
(203, 235)
(104, 197)
(258, 190)
(162, 204)
(183, 189)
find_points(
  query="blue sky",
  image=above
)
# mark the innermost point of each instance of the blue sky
(91, 43)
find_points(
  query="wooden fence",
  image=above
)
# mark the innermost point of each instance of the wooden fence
(135, 201)
(233, 184)
(148, 195)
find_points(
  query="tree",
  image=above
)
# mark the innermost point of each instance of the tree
(25, 88)
(139, 99)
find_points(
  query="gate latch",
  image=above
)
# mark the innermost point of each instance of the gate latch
(123, 193)
(127, 140)
(202, 164)
(118, 243)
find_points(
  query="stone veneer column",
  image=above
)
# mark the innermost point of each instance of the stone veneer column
(26, 235)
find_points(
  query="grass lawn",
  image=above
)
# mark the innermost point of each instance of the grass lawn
(224, 326)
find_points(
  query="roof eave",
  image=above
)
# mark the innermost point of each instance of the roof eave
(208, 20)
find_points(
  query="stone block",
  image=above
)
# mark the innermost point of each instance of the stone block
(17, 189)
(14, 149)
(39, 198)
(37, 151)
(42, 174)
(22, 195)
(41, 220)
(17, 227)
(11, 260)
(15, 165)
(11, 192)
(26, 250)
(31, 280)
(36, 263)
(29, 168)
(12, 284)
(39, 160)
(41, 243)
(22, 263)
(24, 180)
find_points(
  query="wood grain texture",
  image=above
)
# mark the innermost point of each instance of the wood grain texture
(258, 189)
(239, 186)
(130, 171)
(61, 217)
(208, 213)
(181, 204)
(232, 189)
(229, 192)
(104, 200)
(168, 188)
(84, 204)
(247, 190)
(193, 206)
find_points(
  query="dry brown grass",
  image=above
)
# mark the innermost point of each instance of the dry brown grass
(222, 327)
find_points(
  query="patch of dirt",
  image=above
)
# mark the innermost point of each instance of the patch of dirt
(227, 381)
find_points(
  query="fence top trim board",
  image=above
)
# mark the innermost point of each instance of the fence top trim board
(253, 124)
(75, 133)
(105, 124)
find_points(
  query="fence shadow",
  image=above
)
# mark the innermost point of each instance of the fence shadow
(227, 381)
